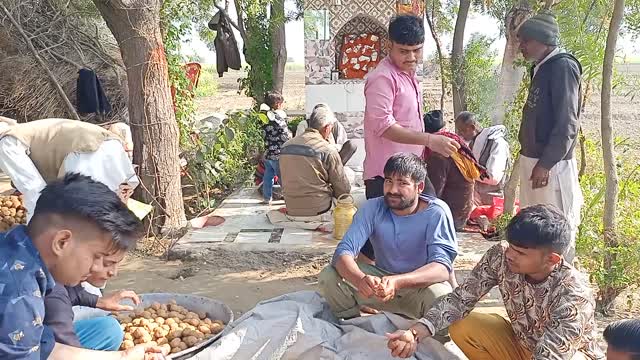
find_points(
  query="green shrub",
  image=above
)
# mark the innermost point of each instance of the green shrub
(222, 158)
(480, 78)
(623, 271)
(207, 84)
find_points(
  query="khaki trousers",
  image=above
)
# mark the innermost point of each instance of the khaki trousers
(345, 301)
(490, 337)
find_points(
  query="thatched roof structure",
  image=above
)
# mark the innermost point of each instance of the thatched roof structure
(68, 36)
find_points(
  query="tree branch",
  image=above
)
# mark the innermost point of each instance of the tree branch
(239, 26)
(33, 50)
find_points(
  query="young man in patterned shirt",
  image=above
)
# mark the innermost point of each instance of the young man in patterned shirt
(550, 304)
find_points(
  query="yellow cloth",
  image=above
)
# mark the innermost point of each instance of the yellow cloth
(140, 209)
(468, 169)
(490, 337)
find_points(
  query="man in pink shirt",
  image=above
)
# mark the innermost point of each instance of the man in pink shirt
(393, 112)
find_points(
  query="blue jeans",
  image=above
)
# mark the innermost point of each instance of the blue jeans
(100, 333)
(271, 169)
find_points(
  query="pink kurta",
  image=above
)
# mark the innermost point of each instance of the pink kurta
(392, 97)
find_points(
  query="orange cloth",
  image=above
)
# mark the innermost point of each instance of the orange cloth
(468, 169)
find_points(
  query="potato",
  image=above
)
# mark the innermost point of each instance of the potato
(146, 315)
(138, 312)
(128, 336)
(152, 343)
(190, 340)
(175, 342)
(202, 315)
(146, 338)
(176, 349)
(155, 306)
(198, 334)
(170, 321)
(193, 322)
(126, 319)
(166, 348)
(186, 332)
(216, 328)
(173, 302)
(192, 315)
(164, 307)
(174, 326)
(205, 329)
(138, 341)
(218, 322)
(160, 332)
(208, 321)
(159, 320)
(127, 344)
(176, 334)
(173, 314)
(183, 346)
(162, 341)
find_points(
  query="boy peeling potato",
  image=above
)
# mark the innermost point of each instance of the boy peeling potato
(76, 223)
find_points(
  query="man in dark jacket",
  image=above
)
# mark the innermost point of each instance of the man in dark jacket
(550, 123)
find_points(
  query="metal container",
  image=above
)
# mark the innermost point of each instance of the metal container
(215, 310)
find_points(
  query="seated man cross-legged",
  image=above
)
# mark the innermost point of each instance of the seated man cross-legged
(312, 172)
(550, 304)
(414, 240)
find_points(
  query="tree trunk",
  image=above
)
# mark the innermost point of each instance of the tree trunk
(136, 26)
(510, 74)
(436, 39)
(279, 44)
(457, 59)
(511, 187)
(611, 193)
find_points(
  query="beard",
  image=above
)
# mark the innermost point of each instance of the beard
(397, 202)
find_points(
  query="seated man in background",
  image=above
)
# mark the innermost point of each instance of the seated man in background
(550, 304)
(623, 340)
(414, 241)
(346, 148)
(453, 177)
(76, 223)
(312, 172)
(491, 149)
(99, 333)
(37, 152)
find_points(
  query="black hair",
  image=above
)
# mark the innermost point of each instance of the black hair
(624, 336)
(79, 197)
(406, 164)
(467, 118)
(540, 227)
(273, 98)
(406, 30)
(433, 121)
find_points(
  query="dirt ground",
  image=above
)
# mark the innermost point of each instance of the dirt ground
(240, 279)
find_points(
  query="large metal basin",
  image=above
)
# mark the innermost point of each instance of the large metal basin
(215, 310)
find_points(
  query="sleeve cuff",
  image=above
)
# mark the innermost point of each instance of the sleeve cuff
(385, 123)
(547, 163)
(428, 324)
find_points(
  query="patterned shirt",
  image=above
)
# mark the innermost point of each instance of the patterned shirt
(553, 319)
(276, 133)
(24, 281)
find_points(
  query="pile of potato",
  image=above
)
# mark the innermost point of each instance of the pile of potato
(170, 326)
(11, 212)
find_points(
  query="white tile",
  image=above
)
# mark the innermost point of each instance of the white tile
(296, 236)
(253, 237)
